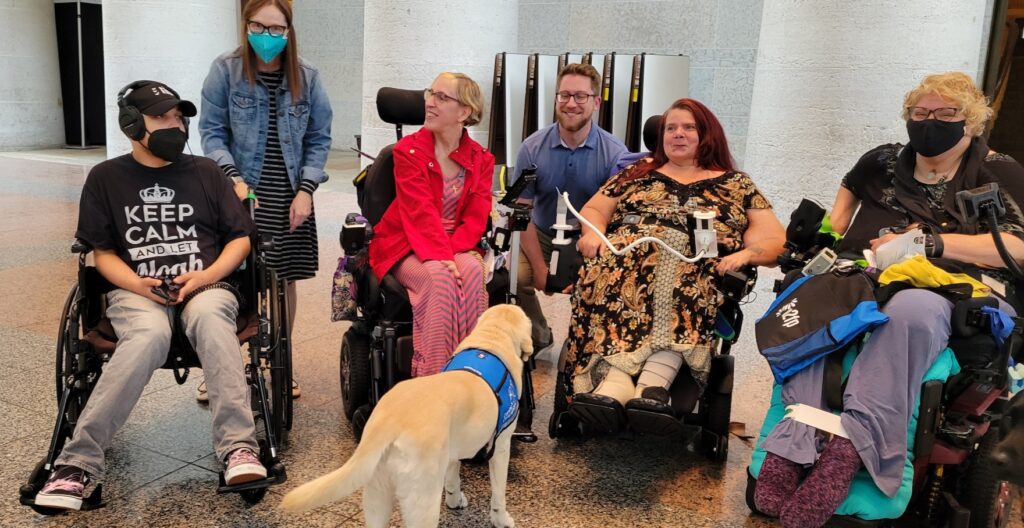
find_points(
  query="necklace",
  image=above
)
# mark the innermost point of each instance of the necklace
(934, 177)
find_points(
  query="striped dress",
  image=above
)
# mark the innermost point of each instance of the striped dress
(442, 313)
(295, 253)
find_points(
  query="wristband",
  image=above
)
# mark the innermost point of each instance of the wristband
(933, 246)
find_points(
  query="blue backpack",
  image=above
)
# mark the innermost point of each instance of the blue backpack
(815, 316)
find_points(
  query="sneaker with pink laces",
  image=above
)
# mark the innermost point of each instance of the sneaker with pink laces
(64, 489)
(243, 466)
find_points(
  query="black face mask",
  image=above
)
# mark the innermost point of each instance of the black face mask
(167, 143)
(932, 137)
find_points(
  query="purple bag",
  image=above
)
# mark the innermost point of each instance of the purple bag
(343, 294)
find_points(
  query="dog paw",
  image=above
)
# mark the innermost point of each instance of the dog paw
(455, 501)
(501, 519)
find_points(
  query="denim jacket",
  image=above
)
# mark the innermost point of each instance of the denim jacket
(234, 116)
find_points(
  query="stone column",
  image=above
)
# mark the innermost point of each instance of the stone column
(331, 38)
(830, 80)
(406, 43)
(171, 42)
(30, 99)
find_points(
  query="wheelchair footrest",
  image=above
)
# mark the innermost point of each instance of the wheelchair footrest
(524, 434)
(600, 412)
(276, 474)
(653, 421)
(93, 501)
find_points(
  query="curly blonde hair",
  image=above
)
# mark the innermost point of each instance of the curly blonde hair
(959, 88)
(469, 94)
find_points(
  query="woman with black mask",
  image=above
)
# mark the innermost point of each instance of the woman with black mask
(896, 186)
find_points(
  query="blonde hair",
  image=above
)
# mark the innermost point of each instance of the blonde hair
(469, 94)
(959, 88)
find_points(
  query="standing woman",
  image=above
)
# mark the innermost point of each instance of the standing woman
(266, 121)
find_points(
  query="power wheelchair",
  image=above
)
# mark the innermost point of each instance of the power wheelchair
(955, 481)
(376, 351)
(702, 418)
(86, 341)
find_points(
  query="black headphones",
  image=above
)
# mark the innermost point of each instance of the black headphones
(130, 118)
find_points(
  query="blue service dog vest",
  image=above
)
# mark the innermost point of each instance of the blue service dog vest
(493, 371)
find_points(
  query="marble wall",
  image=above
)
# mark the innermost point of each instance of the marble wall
(30, 98)
(330, 34)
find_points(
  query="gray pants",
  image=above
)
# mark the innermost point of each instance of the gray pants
(144, 337)
(881, 391)
(528, 294)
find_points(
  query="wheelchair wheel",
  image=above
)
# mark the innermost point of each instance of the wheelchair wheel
(67, 368)
(719, 413)
(562, 423)
(716, 444)
(280, 359)
(68, 324)
(359, 419)
(354, 371)
(989, 499)
(253, 496)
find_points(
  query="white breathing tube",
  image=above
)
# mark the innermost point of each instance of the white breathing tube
(670, 249)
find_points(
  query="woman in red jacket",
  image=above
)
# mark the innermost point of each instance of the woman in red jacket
(429, 238)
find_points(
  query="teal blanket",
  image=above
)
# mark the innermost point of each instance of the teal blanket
(865, 501)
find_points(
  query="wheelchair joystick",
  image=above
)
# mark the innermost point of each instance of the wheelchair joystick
(565, 259)
(168, 290)
(514, 218)
(704, 237)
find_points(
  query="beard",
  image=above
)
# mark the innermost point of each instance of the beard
(566, 121)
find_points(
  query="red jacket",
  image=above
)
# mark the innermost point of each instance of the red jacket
(413, 221)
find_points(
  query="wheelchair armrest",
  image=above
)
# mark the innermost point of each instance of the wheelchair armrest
(265, 242)
(80, 246)
(968, 320)
(355, 233)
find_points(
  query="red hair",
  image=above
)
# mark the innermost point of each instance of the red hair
(713, 150)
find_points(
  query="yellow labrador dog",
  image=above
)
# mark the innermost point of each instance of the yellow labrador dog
(420, 429)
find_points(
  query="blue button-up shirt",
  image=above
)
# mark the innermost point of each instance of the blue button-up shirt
(580, 171)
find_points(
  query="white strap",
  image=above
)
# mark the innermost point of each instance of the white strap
(816, 418)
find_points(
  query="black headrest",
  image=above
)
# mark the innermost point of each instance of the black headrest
(400, 107)
(651, 132)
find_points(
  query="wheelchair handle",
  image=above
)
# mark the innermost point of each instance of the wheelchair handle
(80, 246)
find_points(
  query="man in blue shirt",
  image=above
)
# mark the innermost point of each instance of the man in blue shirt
(571, 155)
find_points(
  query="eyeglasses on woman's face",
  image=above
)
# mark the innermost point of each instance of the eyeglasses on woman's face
(920, 113)
(438, 96)
(256, 28)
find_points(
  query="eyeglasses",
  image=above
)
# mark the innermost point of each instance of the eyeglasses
(920, 113)
(256, 28)
(439, 97)
(580, 97)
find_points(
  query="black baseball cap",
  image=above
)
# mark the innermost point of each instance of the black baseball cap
(155, 98)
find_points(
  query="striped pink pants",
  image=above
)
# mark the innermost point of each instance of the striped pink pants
(443, 314)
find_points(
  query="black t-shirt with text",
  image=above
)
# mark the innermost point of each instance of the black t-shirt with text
(163, 222)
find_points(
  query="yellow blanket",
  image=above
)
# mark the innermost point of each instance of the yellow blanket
(923, 274)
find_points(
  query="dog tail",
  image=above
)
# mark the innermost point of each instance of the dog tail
(343, 481)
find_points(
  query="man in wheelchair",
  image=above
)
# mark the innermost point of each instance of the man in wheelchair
(165, 228)
(804, 478)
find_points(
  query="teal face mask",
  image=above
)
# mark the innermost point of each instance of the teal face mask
(267, 46)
